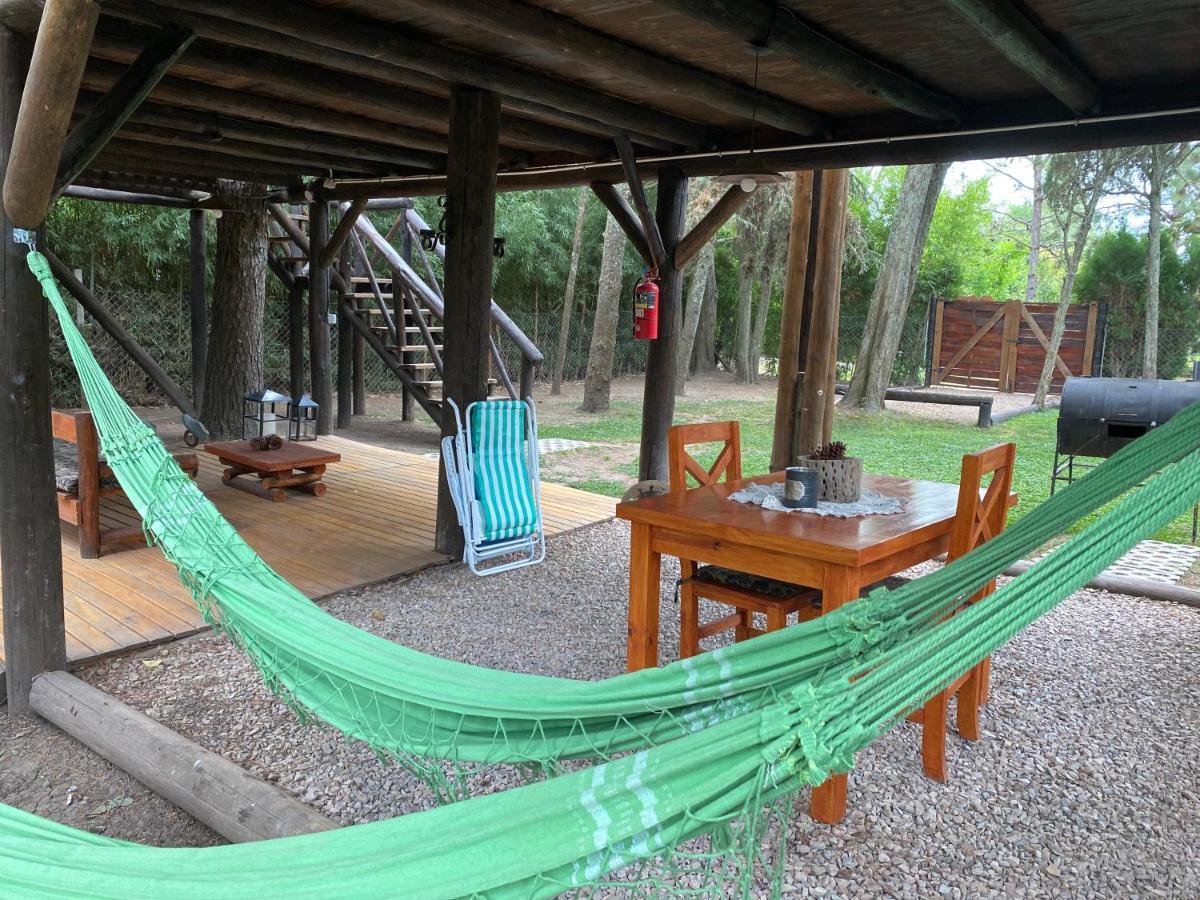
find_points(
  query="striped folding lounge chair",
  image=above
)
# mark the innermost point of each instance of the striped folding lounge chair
(492, 469)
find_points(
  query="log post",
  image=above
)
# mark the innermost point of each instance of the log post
(816, 414)
(470, 226)
(658, 403)
(296, 317)
(782, 452)
(318, 315)
(398, 310)
(359, 373)
(198, 302)
(55, 71)
(345, 345)
(31, 563)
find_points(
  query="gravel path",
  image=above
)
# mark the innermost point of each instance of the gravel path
(1084, 783)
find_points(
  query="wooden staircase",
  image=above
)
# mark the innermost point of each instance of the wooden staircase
(412, 324)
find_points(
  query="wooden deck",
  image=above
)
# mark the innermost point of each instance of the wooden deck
(375, 523)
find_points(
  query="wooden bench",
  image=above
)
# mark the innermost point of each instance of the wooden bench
(913, 395)
(81, 485)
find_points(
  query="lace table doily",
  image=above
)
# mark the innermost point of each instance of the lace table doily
(869, 503)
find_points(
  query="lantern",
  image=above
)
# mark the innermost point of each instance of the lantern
(302, 419)
(265, 412)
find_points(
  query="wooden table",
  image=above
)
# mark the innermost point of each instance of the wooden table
(838, 556)
(297, 464)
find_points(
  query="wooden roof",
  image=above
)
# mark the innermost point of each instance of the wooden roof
(356, 90)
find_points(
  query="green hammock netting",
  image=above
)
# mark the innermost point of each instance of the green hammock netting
(698, 761)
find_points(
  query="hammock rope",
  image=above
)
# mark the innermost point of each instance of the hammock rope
(698, 760)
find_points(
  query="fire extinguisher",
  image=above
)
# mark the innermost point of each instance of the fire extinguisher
(645, 307)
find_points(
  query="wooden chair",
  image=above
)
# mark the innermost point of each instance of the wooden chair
(80, 488)
(977, 519)
(747, 594)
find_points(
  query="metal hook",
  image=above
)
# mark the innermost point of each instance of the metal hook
(25, 236)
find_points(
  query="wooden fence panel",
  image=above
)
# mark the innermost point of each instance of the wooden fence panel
(981, 343)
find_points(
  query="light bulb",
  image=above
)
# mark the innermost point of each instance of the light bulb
(748, 184)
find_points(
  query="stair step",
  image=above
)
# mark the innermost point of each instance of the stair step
(408, 329)
(366, 279)
(370, 295)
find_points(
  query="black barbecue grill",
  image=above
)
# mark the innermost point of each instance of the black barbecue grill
(1099, 416)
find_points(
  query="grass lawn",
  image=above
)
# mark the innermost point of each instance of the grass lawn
(891, 443)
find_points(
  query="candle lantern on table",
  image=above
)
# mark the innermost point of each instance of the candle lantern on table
(302, 419)
(264, 413)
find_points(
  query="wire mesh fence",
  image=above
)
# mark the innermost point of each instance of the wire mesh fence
(160, 322)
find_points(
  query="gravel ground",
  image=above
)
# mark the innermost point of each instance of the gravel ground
(1083, 784)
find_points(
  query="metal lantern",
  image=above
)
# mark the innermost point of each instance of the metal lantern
(265, 412)
(302, 419)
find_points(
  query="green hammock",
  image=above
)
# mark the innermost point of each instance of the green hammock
(702, 755)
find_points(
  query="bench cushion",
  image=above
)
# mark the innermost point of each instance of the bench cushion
(768, 587)
(66, 469)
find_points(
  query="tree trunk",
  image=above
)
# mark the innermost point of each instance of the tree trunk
(1064, 296)
(772, 261)
(1035, 231)
(697, 297)
(894, 288)
(704, 352)
(235, 341)
(598, 382)
(747, 265)
(1153, 264)
(564, 328)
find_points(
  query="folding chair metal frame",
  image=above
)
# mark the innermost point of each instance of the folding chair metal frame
(459, 459)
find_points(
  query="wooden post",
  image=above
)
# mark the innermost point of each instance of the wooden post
(31, 563)
(198, 302)
(296, 338)
(345, 360)
(51, 87)
(658, 398)
(470, 229)
(401, 315)
(318, 315)
(816, 416)
(792, 317)
(359, 374)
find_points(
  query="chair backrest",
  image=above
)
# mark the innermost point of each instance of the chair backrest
(502, 443)
(981, 518)
(681, 464)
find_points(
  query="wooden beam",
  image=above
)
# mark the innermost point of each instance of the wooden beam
(114, 329)
(300, 239)
(133, 156)
(658, 403)
(21, 15)
(372, 39)
(345, 342)
(31, 562)
(1024, 43)
(296, 319)
(526, 25)
(101, 74)
(654, 240)
(816, 416)
(59, 56)
(628, 220)
(1012, 139)
(106, 117)
(342, 232)
(318, 316)
(198, 300)
(759, 23)
(470, 230)
(704, 230)
(223, 796)
(791, 320)
(79, 192)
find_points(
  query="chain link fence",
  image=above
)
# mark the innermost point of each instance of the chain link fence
(160, 322)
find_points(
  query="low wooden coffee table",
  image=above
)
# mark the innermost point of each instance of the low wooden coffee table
(297, 464)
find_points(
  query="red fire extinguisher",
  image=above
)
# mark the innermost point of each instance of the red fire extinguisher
(645, 307)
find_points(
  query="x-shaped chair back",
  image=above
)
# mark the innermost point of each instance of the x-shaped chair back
(681, 464)
(981, 518)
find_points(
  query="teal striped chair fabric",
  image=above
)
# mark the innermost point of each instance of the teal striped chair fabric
(503, 486)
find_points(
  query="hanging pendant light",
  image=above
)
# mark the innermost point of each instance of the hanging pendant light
(754, 171)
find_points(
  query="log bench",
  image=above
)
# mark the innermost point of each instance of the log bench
(82, 477)
(907, 395)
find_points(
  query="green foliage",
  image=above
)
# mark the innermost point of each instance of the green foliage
(1114, 271)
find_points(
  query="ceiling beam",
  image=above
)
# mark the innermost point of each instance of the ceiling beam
(106, 117)
(637, 193)
(1020, 140)
(703, 231)
(1026, 45)
(121, 155)
(100, 75)
(374, 40)
(579, 45)
(284, 77)
(620, 210)
(106, 195)
(761, 23)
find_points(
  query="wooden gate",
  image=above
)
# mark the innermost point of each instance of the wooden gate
(980, 343)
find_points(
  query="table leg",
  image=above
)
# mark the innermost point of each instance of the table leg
(829, 799)
(644, 586)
